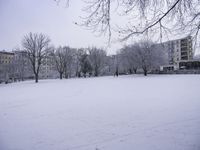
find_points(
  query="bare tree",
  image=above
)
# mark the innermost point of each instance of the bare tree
(69, 54)
(59, 58)
(78, 57)
(130, 58)
(116, 62)
(97, 58)
(145, 55)
(64, 58)
(143, 16)
(36, 46)
(85, 64)
(110, 61)
(150, 56)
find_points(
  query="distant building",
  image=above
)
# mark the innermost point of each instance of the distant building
(6, 68)
(189, 64)
(23, 68)
(6, 57)
(179, 50)
(16, 65)
(48, 68)
(167, 68)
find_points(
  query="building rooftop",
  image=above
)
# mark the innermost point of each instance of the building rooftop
(178, 39)
(8, 53)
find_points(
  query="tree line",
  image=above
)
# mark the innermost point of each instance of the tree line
(37, 52)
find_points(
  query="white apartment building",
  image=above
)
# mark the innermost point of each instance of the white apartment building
(179, 50)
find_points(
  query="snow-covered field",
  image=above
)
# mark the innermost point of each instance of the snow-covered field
(105, 113)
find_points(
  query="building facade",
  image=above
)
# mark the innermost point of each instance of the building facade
(6, 57)
(179, 50)
(48, 68)
(6, 67)
(23, 68)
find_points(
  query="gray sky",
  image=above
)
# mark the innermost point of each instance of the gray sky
(19, 17)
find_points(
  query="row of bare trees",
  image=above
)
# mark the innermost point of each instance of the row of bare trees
(144, 55)
(65, 59)
(81, 61)
(67, 62)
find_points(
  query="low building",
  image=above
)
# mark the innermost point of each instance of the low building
(189, 64)
(23, 68)
(6, 57)
(6, 67)
(167, 68)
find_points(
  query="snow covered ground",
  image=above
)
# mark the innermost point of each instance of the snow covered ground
(105, 113)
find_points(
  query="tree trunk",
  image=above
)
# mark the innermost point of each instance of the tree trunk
(130, 71)
(96, 72)
(145, 72)
(135, 71)
(36, 78)
(61, 75)
(79, 74)
(117, 72)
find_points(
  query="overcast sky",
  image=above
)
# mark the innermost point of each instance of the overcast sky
(19, 17)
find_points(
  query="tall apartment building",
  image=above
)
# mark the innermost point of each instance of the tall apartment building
(179, 50)
(179, 54)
